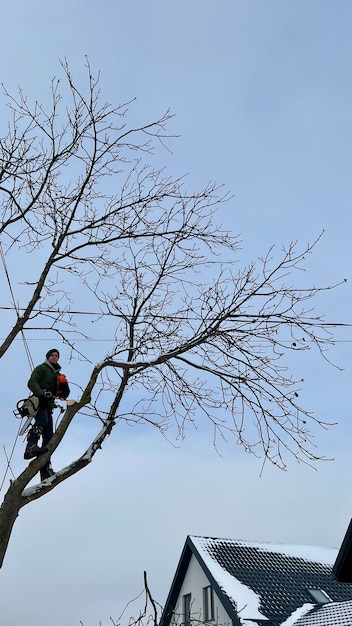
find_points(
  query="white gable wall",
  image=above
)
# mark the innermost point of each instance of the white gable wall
(193, 583)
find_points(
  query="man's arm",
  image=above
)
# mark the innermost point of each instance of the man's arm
(34, 383)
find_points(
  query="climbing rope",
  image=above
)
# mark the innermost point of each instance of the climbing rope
(29, 357)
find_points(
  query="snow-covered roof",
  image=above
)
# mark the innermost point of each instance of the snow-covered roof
(263, 583)
(317, 554)
(246, 600)
(330, 614)
(260, 577)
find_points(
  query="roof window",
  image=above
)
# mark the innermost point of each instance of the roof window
(319, 596)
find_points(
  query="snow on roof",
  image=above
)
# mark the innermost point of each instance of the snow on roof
(302, 610)
(330, 613)
(317, 554)
(246, 600)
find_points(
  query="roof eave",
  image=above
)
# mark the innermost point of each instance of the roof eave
(342, 568)
(188, 550)
(223, 597)
(176, 585)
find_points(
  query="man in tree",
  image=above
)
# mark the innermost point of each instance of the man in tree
(45, 383)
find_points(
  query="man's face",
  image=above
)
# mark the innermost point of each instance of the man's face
(54, 357)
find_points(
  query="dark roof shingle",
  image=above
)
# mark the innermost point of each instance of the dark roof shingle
(280, 576)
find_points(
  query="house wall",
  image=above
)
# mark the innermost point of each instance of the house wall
(193, 583)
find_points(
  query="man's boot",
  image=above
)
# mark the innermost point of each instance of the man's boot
(46, 471)
(32, 449)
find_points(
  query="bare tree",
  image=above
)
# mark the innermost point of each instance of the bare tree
(191, 335)
(150, 613)
(147, 615)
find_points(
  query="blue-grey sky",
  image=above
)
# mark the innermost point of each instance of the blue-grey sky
(261, 92)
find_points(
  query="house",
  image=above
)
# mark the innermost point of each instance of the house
(235, 583)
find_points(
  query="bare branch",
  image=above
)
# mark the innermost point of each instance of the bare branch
(192, 336)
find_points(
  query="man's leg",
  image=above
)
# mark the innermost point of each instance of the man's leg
(48, 430)
(32, 449)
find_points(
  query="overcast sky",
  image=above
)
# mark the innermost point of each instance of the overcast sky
(261, 91)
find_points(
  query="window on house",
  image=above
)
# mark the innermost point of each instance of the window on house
(319, 596)
(208, 603)
(186, 608)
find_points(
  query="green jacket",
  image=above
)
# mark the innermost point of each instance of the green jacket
(43, 378)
